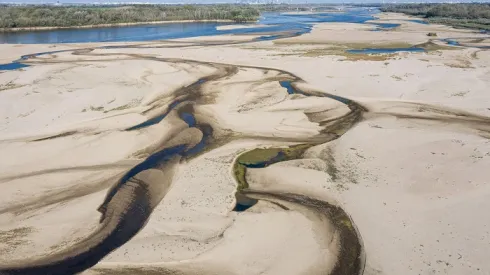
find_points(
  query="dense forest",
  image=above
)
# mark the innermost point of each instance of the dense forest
(471, 15)
(50, 16)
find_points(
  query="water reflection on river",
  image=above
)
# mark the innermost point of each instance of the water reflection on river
(277, 22)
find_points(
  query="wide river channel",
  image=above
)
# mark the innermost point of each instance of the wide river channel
(275, 22)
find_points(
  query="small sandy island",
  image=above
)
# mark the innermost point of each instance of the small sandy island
(284, 157)
(234, 27)
(313, 12)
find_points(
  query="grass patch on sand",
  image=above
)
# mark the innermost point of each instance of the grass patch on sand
(360, 46)
(11, 239)
(9, 85)
(367, 57)
(463, 64)
(258, 155)
(341, 49)
(120, 108)
(97, 109)
(239, 170)
(474, 54)
(431, 46)
(263, 157)
(347, 55)
(350, 46)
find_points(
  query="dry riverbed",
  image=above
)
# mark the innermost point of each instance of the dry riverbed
(396, 144)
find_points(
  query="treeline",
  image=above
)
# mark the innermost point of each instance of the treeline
(472, 15)
(49, 16)
(297, 7)
(460, 11)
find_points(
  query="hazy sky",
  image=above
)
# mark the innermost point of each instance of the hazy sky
(221, 1)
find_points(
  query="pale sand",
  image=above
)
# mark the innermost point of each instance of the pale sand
(409, 32)
(238, 26)
(219, 38)
(416, 189)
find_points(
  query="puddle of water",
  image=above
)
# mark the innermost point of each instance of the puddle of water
(268, 37)
(386, 25)
(16, 64)
(419, 21)
(197, 148)
(189, 119)
(27, 56)
(381, 51)
(339, 98)
(452, 42)
(243, 203)
(12, 66)
(289, 88)
(242, 207)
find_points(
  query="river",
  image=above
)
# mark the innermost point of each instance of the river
(275, 22)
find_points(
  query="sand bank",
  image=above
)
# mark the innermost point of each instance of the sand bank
(234, 27)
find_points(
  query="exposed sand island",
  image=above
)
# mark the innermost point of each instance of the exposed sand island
(240, 26)
(131, 160)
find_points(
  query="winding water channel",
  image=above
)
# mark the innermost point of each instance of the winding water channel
(131, 199)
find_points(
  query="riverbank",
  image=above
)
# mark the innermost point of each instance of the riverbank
(461, 15)
(38, 16)
(116, 25)
(423, 204)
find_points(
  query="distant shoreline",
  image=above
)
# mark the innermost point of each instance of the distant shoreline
(476, 17)
(312, 12)
(27, 29)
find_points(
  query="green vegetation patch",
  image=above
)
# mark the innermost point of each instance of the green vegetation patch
(73, 16)
(431, 46)
(263, 157)
(267, 156)
(463, 15)
(239, 170)
(479, 23)
(258, 155)
(367, 57)
(341, 49)
(391, 45)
